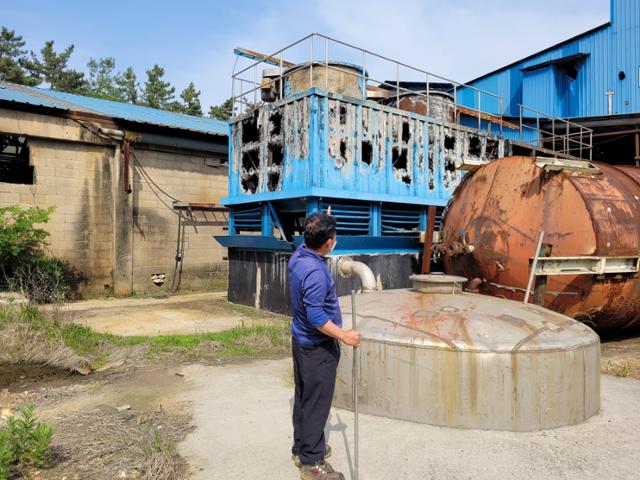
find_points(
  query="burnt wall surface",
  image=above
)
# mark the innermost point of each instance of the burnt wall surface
(259, 279)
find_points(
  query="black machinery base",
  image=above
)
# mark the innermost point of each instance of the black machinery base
(259, 278)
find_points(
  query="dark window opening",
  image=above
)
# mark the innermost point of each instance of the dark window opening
(276, 154)
(622, 75)
(250, 130)
(399, 159)
(449, 142)
(406, 133)
(475, 146)
(276, 123)
(570, 69)
(367, 152)
(343, 114)
(14, 160)
(406, 179)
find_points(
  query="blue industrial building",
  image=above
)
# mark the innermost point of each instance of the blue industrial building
(592, 78)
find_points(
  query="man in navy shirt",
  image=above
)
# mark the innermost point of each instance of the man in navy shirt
(316, 328)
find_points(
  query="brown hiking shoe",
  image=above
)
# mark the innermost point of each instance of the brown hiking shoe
(319, 471)
(298, 463)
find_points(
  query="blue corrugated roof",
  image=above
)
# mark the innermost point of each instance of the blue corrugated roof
(125, 111)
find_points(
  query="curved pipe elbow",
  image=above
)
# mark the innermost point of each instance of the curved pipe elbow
(348, 267)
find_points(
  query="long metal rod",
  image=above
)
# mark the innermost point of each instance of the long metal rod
(356, 367)
(534, 265)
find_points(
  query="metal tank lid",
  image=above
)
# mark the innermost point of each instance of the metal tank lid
(462, 321)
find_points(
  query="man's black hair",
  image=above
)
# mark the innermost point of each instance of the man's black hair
(318, 228)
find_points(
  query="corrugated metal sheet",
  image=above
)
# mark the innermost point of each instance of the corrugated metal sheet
(124, 111)
(610, 49)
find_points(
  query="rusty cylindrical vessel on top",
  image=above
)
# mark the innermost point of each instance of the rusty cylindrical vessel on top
(435, 354)
(501, 209)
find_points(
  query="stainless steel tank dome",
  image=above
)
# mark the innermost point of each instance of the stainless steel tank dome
(434, 354)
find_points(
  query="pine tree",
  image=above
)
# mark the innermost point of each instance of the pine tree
(224, 111)
(191, 98)
(158, 93)
(12, 58)
(101, 82)
(127, 85)
(52, 68)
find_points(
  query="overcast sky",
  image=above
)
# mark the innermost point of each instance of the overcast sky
(194, 40)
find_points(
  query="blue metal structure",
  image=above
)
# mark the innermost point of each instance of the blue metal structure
(593, 74)
(378, 167)
(21, 94)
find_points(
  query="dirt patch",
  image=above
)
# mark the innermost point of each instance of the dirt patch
(103, 443)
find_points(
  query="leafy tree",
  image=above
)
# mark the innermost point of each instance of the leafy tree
(52, 68)
(127, 85)
(191, 98)
(224, 111)
(101, 82)
(158, 93)
(12, 58)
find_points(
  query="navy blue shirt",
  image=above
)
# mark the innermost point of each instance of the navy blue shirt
(312, 292)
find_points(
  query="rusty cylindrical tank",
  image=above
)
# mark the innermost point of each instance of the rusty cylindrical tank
(340, 77)
(501, 209)
(437, 105)
(434, 354)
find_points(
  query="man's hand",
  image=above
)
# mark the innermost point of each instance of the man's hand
(351, 337)
(348, 337)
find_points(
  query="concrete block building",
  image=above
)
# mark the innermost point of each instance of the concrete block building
(135, 189)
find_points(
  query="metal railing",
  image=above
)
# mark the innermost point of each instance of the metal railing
(246, 88)
(560, 135)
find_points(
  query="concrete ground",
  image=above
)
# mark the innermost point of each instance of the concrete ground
(242, 413)
(176, 315)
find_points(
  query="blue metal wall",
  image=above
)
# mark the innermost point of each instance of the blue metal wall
(609, 49)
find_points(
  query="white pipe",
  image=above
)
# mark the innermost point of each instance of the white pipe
(348, 267)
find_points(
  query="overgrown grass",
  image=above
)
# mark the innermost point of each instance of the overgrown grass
(240, 341)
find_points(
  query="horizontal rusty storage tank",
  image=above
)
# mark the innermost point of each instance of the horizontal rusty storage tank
(436, 355)
(500, 211)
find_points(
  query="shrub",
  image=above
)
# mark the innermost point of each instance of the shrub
(25, 266)
(24, 442)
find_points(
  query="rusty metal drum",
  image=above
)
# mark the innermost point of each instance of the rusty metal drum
(439, 105)
(339, 77)
(500, 210)
(460, 359)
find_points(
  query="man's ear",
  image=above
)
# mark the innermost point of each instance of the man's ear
(329, 210)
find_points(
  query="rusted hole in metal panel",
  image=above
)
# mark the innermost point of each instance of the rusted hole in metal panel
(249, 171)
(449, 142)
(406, 132)
(475, 146)
(250, 130)
(493, 147)
(367, 152)
(276, 154)
(273, 181)
(275, 122)
(343, 114)
(343, 150)
(399, 158)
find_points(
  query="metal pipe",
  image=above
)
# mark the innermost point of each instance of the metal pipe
(534, 265)
(348, 267)
(356, 367)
